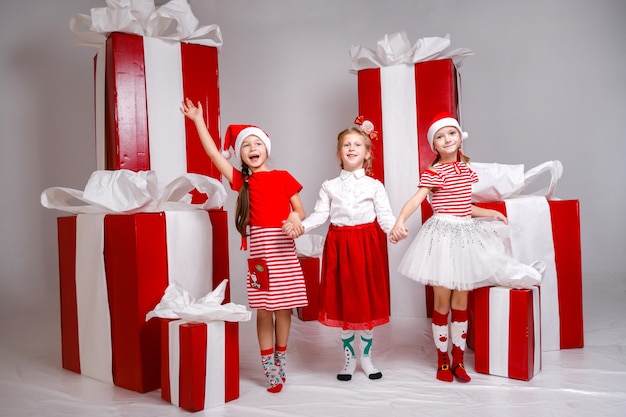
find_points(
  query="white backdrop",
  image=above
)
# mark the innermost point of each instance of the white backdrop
(546, 82)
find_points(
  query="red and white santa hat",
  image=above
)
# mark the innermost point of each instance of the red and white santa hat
(235, 135)
(443, 120)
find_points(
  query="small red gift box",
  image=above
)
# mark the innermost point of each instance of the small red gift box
(401, 101)
(311, 270)
(506, 331)
(114, 269)
(200, 363)
(140, 84)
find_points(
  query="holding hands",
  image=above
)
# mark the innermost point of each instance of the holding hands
(398, 233)
(292, 227)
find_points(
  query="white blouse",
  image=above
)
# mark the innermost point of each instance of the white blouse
(351, 199)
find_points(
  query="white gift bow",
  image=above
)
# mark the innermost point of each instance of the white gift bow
(125, 191)
(142, 17)
(501, 181)
(177, 303)
(395, 48)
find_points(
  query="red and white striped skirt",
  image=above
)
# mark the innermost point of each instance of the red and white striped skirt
(286, 280)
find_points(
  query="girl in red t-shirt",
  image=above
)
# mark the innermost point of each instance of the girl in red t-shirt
(452, 252)
(275, 281)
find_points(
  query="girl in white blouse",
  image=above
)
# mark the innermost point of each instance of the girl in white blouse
(354, 288)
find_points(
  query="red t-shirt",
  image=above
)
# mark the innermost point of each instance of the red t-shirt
(270, 192)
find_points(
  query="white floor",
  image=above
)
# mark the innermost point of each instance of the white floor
(576, 382)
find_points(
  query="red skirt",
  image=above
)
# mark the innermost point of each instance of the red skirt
(354, 288)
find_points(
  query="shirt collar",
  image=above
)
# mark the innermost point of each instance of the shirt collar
(359, 173)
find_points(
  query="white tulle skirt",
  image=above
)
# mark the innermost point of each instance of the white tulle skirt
(462, 253)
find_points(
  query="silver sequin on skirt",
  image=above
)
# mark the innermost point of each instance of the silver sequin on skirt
(462, 253)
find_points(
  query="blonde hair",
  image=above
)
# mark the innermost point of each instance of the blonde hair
(367, 164)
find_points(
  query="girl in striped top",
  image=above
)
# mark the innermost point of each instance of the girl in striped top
(452, 252)
(275, 281)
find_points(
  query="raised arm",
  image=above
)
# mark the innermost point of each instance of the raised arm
(195, 114)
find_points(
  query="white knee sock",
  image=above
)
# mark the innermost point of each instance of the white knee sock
(366, 338)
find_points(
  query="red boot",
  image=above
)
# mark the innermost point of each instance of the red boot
(443, 367)
(440, 337)
(458, 367)
(458, 328)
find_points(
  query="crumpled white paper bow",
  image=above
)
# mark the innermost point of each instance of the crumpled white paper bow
(177, 303)
(127, 192)
(142, 17)
(395, 48)
(498, 182)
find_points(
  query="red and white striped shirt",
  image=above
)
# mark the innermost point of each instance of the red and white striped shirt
(451, 185)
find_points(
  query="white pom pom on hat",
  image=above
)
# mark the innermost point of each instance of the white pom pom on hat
(235, 135)
(443, 120)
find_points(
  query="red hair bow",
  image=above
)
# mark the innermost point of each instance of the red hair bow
(367, 126)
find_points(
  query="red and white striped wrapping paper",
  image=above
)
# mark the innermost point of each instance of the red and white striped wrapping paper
(507, 332)
(114, 269)
(401, 101)
(140, 85)
(200, 363)
(549, 231)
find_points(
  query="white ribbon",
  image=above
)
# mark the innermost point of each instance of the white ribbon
(499, 314)
(396, 49)
(177, 302)
(92, 303)
(142, 17)
(127, 192)
(401, 163)
(531, 240)
(501, 181)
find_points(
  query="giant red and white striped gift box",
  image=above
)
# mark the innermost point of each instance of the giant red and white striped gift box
(114, 269)
(549, 231)
(140, 84)
(200, 363)
(401, 101)
(507, 332)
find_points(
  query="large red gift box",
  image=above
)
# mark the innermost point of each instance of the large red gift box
(561, 286)
(114, 269)
(140, 85)
(200, 363)
(401, 101)
(506, 331)
(311, 270)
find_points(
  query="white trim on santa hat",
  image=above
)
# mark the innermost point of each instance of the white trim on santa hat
(244, 132)
(443, 122)
(252, 131)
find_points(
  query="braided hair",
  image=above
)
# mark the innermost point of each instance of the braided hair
(242, 212)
